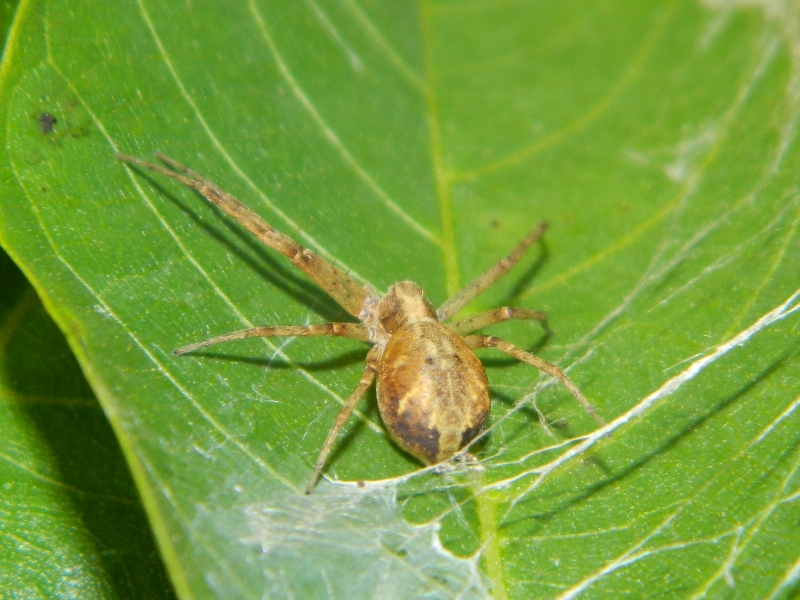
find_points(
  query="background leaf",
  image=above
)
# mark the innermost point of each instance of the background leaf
(420, 142)
(73, 526)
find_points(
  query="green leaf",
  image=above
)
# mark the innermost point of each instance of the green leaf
(420, 142)
(72, 522)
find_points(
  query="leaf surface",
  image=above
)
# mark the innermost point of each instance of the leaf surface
(420, 142)
(72, 522)
(71, 518)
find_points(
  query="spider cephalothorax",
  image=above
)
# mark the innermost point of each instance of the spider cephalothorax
(403, 303)
(433, 393)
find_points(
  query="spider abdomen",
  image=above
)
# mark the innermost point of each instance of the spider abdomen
(433, 394)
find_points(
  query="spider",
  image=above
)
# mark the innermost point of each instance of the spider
(433, 394)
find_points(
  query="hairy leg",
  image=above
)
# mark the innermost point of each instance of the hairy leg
(337, 284)
(470, 291)
(490, 341)
(367, 378)
(354, 331)
(498, 315)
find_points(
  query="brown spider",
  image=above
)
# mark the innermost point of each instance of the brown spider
(433, 394)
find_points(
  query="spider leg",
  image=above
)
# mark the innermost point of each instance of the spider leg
(490, 341)
(354, 331)
(182, 168)
(498, 315)
(370, 369)
(470, 291)
(337, 284)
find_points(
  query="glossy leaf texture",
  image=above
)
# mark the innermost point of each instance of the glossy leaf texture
(71, 520)
(420, 141)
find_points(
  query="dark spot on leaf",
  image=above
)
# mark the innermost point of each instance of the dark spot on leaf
(46, 122)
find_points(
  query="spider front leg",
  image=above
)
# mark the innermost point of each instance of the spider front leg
(337, 284)
(353, 331)
(475, 287)
(490, 341)
(498, 315)
(370, 370)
